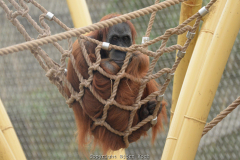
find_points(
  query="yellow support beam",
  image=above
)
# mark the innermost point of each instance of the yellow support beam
(209, 78)
(192, 76)
(9, 143)
(118, 155)
(188, 9)
(79, 13)
(5, 150)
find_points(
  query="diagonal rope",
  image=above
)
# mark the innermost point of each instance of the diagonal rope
(221, 116)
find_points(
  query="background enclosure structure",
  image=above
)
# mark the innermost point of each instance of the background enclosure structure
(45, 125)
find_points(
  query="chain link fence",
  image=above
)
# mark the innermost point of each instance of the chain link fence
(44, 123)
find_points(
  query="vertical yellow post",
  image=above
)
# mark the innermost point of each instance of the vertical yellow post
(8, 136)
(118, 155)
(79, 13)
(188, 9)
(209, 78)
(5, 151)
(192, 76)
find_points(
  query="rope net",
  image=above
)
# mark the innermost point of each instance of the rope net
(57, 73)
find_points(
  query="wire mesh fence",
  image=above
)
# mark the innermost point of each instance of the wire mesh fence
(44, 123)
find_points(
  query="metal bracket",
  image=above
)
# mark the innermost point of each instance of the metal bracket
(65, 71)
(181, 54)
(160, 98)
(170, 76)
(154, 121)
(190, 35)
(105, 45)
(49, 16)
(145, 39)
(203, 11)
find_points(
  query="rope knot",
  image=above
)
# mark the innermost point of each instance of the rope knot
(78, 97)
(45, 33)
(109, 102)
(71, 100)
(51, 73)
(99, 122)
(74, 95)
(42, 35)
(128, 132)
(93, 67)
(10, 16)
(83, 84)
(25, 12)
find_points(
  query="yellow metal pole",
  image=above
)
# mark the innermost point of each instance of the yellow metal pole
(79, 13)
(188, 9)
(217, 56)
(118, 155)
(5, 150)
(9, 134)
(192, 76)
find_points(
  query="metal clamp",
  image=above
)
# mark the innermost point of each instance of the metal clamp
(49, 16)
(190, 35)
(203, 11)
(170, 76)
(160, 98)
(65, 71)
(145, 39)
(181, 54)
(105, 45)
(154, 121)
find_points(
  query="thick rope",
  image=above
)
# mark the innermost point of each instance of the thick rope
(222, 115)
(96, 26)
(151, 21)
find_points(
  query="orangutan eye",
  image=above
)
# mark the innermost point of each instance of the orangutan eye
(126, 38)
(115, 38)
